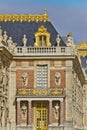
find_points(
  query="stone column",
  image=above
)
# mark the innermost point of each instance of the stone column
(62, 112)
(50, 112)
(69, 94)
(18, 112)
(68, 100)
(29, 113)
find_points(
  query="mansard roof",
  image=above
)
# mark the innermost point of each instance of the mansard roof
(18, 25)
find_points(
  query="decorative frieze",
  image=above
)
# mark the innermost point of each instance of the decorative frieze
(40, 92)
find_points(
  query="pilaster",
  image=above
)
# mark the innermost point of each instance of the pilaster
(50, 112)
(68, 106)
(62, 112)
(29, 113)
(12, 94)
(18, 112)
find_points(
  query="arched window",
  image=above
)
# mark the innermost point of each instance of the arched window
(42, 40)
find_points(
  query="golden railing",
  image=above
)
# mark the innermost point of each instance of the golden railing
(24, 17)
(40, 92)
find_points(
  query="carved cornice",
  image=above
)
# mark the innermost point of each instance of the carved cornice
(24, 17)
(5, 52)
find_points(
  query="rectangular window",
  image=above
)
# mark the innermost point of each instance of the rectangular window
(62, 49)
(42, 76)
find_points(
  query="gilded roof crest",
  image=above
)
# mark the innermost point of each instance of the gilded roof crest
(24, 17)
(83, 45)
(82, 49)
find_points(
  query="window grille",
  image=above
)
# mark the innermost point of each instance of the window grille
(42, 76)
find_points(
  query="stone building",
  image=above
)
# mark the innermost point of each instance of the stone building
(82, 55)
(41, 78)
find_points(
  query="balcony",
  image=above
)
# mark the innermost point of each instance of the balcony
(33, 51)
(46, 92)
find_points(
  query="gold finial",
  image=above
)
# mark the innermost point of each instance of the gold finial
(45, 11)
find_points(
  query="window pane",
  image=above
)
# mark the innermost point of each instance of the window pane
(42, 76)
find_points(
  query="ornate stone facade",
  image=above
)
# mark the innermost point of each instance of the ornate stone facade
(41, 87)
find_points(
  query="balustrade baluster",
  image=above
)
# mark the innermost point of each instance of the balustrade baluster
(43, 50)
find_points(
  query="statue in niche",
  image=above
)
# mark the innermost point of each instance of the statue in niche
(58, 40)
(5, 37)
(1, 37)
(24, 40)
(25, 78)
(24, 110)
(57, 78)
(57, 110)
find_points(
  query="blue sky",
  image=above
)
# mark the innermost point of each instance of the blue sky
(66, 15)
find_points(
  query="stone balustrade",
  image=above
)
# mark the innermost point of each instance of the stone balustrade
(43, 51)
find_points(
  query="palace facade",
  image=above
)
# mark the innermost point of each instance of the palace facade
(42, 76)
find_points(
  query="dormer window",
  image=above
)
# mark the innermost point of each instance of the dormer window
(42, 37)
(42, 40)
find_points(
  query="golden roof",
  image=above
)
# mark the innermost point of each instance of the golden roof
(82, 46)
(82, 49)
(24, 17)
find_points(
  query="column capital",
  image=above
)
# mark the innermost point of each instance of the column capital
(61, 100)
(22, 99)
(18, 100)
(50, 100)
(29, 100)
